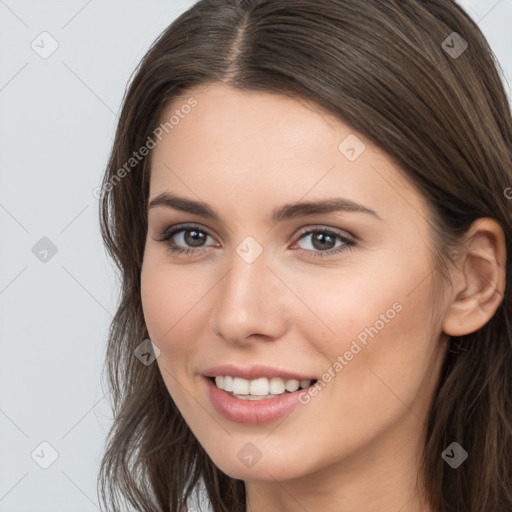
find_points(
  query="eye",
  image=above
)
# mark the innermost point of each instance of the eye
(323, 242)
(190, 238)
(178, 237)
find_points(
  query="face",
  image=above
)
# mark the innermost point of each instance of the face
(260, 287)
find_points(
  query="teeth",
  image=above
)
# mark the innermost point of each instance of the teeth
(240, 386)
(260, 387)
(277, 386)
(263, 387)
(292, 385)
(228, 384)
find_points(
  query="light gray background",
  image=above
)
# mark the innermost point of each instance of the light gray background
(57, 119)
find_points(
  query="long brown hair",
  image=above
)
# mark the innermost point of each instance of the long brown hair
(395, 72)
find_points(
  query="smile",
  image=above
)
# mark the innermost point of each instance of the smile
(259, 389)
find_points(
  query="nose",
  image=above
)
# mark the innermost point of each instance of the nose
(250, 303)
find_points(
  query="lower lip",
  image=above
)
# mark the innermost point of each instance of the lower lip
(252, 412)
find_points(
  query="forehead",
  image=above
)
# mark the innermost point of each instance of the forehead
(247, 144)
(252, 119)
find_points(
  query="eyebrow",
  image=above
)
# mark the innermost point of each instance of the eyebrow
(280, 214)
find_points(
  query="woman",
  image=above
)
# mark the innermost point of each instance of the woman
(307, 203)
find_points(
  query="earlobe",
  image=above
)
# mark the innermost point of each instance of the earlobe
(479, 282)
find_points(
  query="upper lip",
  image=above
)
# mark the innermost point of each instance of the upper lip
(254, 372)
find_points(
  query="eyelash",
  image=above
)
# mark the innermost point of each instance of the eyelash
(168, 234)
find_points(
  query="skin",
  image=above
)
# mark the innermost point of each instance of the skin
(356, 444)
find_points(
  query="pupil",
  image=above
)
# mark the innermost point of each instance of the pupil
(194, 237)
(319, 241)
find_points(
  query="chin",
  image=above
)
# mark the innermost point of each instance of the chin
(250, 460)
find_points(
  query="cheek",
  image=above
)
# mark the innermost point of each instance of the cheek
(347, 307)
(157, 301)
(169, 297)
(165, 302)
(176, 311)
(382, 342)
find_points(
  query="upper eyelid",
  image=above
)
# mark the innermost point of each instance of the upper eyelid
(337, 231)
(178, 228)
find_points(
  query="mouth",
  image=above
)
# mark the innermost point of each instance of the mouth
(262, 388)
(257, 394)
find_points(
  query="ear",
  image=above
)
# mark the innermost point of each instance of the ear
(479, 280)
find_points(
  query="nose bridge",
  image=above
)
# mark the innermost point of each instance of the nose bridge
(249, 298)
